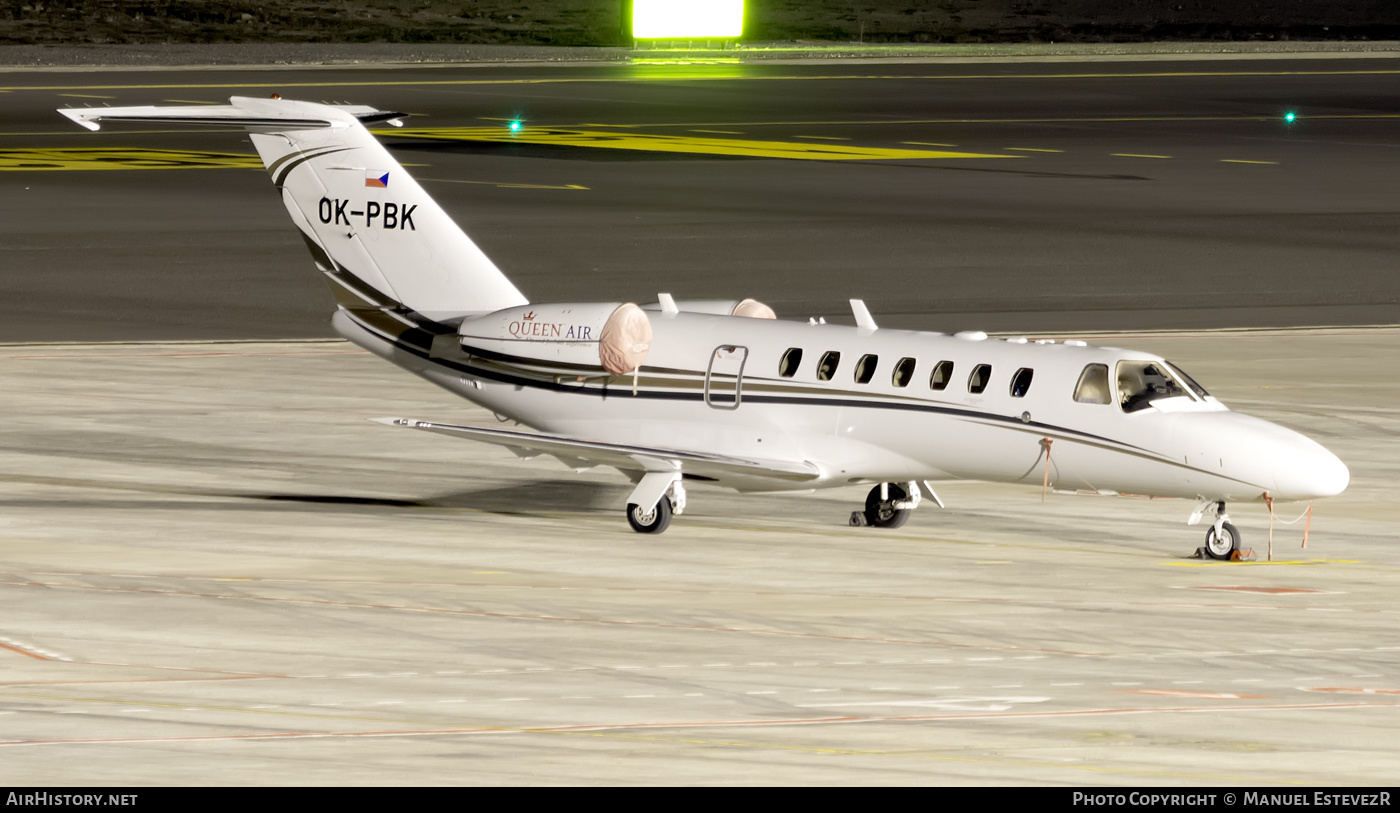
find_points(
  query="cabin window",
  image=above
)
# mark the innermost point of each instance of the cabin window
(865, 368)
(942, 374)
(787, 367)
(1093, 385)
(827, 368)
(981, 376)
(1021, 382)
(1142, 382)
(1189, 381)
(903, 372)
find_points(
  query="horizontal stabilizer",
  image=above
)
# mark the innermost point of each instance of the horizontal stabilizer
(623, 456)
(242, 111)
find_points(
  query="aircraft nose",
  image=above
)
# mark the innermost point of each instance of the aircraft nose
(1261, 454)
(1308, 470)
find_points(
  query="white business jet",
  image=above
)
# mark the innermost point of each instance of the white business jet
(723, 392)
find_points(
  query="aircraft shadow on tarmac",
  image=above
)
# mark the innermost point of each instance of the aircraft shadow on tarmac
(557, 495)
(560, 495)
(180, 455)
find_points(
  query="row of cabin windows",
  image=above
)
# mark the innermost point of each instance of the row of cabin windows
(903, 373)
(1139, 382)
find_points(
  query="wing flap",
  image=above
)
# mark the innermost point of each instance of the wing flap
(622, 456)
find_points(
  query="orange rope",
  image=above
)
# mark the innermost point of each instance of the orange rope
(1270, 501)
(1045, 484)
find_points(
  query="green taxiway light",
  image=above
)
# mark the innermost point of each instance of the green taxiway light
(515, 126)
(1290, 116)
(687, 19)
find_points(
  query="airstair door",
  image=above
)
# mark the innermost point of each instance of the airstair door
(724, 378)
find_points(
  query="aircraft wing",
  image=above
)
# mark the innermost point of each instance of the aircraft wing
(578, 453)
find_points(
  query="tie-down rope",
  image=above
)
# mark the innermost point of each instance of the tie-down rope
(1045, 484)
(1269, 501)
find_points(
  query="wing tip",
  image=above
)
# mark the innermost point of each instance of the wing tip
(395, 421)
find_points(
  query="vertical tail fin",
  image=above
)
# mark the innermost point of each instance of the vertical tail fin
(376, 234)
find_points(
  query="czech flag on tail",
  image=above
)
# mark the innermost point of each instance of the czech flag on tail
(377, 179)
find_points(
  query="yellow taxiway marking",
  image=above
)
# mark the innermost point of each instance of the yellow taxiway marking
(504, 185)
(680, 144)
(716, 132)
(41, 160)
(927, 144)
(633, 77)
(1259, 564)
(1242, 161)
(1137, 155)
(1031, 149)
(85, 96)
(824, 138)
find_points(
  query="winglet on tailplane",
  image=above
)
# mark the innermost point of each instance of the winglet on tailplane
(373, 231)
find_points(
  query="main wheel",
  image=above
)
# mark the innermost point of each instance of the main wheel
(654, 521)
(1222, 545)
(882, 513)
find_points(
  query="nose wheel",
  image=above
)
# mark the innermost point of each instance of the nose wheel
(1222, 540)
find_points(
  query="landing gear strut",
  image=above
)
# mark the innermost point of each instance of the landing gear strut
(888, 505)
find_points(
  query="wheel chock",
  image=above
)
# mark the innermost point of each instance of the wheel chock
(858, 519)
(1199, 554)
(1242, 555)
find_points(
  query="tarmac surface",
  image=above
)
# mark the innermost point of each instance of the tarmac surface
(1021, 195)
(218, 572)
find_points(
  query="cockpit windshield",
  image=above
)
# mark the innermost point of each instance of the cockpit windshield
(1142, 382)
(1189, 381)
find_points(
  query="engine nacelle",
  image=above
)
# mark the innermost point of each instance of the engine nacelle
(720, 307)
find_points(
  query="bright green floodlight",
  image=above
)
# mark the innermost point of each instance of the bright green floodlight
(1290, 116)
(515, 125)
(687, 19)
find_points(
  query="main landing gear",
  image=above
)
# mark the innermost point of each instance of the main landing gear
(658, 517)
(888, 505)
(1222, 538)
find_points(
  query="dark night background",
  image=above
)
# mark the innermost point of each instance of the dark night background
(598, 22)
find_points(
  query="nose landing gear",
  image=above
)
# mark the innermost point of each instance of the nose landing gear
(1222, 537)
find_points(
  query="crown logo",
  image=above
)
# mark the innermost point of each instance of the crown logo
(527, 317)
